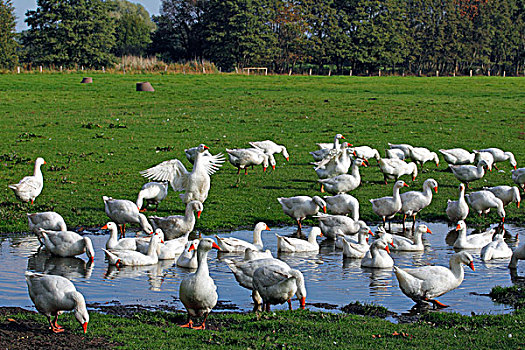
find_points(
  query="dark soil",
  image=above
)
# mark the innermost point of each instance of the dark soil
(30, 334)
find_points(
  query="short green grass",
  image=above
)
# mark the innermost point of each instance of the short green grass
(97, 137)
(303, 330)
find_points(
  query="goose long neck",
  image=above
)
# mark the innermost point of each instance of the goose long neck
(38, 172)
(427, 190)
(462, 196)
(202, 258)
(456, 268)
(355, 170)
(257, 236)
(189, 215)
(152, 248)
(312, 237)
(336, 142)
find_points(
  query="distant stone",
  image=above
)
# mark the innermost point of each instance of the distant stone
(87, 80)
(145, 86)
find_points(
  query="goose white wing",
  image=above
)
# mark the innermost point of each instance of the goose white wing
(170, 170)
(212, 163)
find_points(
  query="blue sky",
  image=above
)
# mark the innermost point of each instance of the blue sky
(21, 6)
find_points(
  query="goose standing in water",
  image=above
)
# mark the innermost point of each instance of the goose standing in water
(198, 292)
(401, 243)
(188, 258)
(52, 295)
(66, 243)
(133, 258)
(195, 184)
(472, 241)
(295, 245)
(414, 201)
(377, 258)
(497, 249)
(299, 207)
(48, 220)
(332, 225)
(458, 210)
(424, 284)
(277, 285)
(175, 226)
(388, 207)
(118, 244)
(518, 176)
(232, 245)
(153, 193)
(518, 254)
(271, 147)
(30, 187)
(123, 211)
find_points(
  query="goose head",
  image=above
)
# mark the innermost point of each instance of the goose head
(516, 197)
(320, 202)
(39, 162)
(423, 229)
(202, 147)
(81, 313)
(90, 252)
(285, 153)
(465, 258)
(197, 207)
(461, 225)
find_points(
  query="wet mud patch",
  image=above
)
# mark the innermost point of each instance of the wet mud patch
(356, 308)
(31, 334)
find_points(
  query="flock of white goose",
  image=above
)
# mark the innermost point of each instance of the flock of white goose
(271, 280)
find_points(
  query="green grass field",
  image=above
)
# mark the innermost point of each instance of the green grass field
(97, 137)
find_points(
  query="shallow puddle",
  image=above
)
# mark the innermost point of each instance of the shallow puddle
(331, 281)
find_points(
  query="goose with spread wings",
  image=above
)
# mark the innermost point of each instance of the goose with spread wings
(196, 183)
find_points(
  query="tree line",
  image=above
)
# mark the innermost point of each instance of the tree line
(359, 36)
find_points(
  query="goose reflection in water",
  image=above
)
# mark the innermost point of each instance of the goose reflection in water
(71, 268)
(380, 279)
(156, 273)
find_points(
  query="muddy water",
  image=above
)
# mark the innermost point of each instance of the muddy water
(331, 281)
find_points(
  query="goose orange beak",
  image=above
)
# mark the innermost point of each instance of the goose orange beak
(199, 214)
(206, 147)
(366, 239)
(387, 249)
(458, 227)
(405, 185)
(105, 227)
(321, 234)
(84, 327)
(192, 247)
(471, 265)
(267, 228)
(436, 189)
(370, 233)
(273, 167)
(214, 245)
(324, 209)
(287, 159)
(518, 204)
(428, 230)
(303, 302)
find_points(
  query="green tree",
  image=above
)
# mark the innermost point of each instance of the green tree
(69, 33)
(133, 28)
(8, 44)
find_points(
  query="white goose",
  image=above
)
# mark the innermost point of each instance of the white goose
(235, 245)
(123, 211)
(335, 164)
(387, 207)
(153, 193)
(506, 194)
(299, 207)
(343, 204)
(486, 156)
(501, 156)
(276, 285)
(355, 250)
(134, 258)
(242, 158)
(415, 201)
(497, 249)
(469, 173)
(114, 243)
(518, 176)
(271, 147)
(377, 258)
(250, 254)
(53, 295)
(405, 244)
(365, 152)
(191, 153)
(188, 258)
(458, 210)
(332, 225)
(421, 155)
(30, 187)
(457, 156)
(424, 284)
(332, 145)
(244, 270)
(395, 153)
(393, 168)
(198, 292)
(195, 184)
(48, 220)
(175, 226)
(472, 241)
(518, 254)
(167, 250)
(403, 147)
(295, 245)
(66, 243)
(482, 201)
(344, 182)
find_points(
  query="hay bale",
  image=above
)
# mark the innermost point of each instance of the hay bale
(145, 86)
(86, 80)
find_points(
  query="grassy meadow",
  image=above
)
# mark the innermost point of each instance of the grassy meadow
(97, 137)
